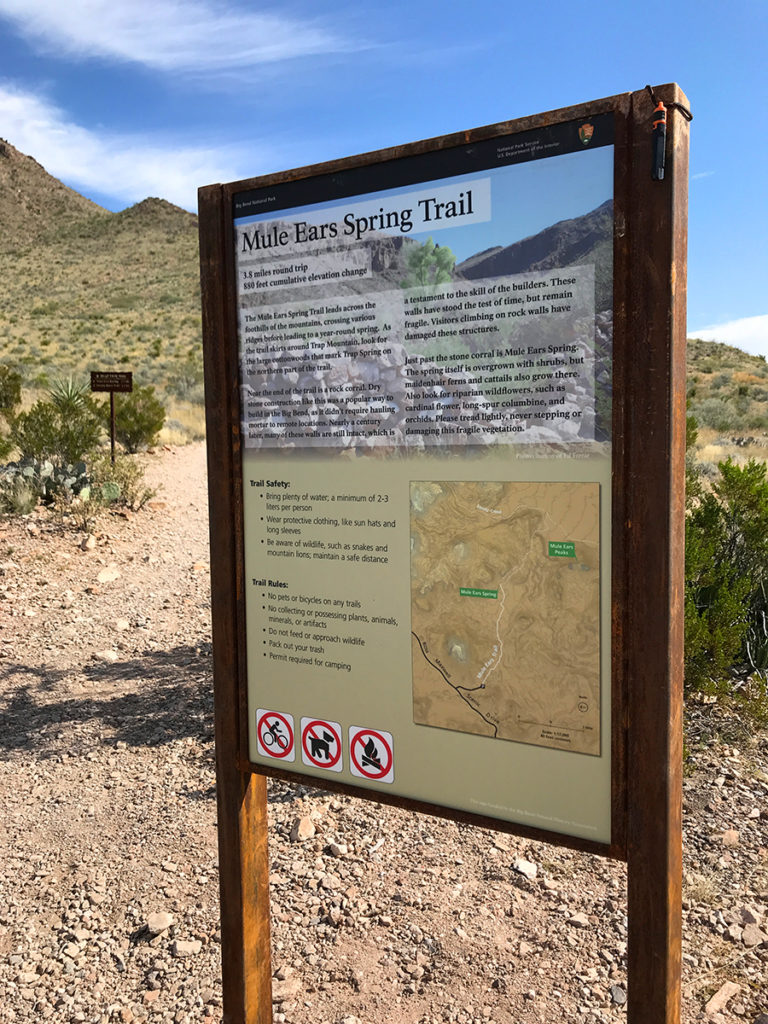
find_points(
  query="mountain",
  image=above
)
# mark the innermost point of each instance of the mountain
(86, 289)
(31, 199)
(585, 239)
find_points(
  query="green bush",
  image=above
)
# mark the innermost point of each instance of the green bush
(62, 434)
(10, 392)
(726, 578)
(139, 418)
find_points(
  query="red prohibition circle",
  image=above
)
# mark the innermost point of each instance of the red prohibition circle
(274, 749)
(323, 725)
(366, 774)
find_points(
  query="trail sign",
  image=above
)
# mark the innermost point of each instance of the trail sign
(445, 394)
(107, 380)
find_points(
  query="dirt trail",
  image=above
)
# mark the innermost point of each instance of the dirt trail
(107, 786)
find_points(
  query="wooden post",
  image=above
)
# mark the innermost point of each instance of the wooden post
(653, 634)
(112, 423)
(241, 796)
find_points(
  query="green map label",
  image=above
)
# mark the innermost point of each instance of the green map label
(474, 592)
(562, 549)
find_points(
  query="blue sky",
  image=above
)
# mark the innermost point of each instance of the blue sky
(127, 98)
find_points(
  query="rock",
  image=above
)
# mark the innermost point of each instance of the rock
(720, 999)
(108, 575)
(337, 849)
(762, 1019)
(159, 922)
(283, 990)
(108, 656)
(579, 921)
(618, 995)
(752, 936)
(730, 837)
(89, 543)
(525, 868)
(749, 916)
(122, 625)
(67, 599)
(181, 948)
(303, 829)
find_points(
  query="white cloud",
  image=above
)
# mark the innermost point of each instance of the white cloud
(749, 334)
(169, 35)
(126, 167)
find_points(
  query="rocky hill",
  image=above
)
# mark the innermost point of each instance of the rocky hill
(32, 200)
(86, 289)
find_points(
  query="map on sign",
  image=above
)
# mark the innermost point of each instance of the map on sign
(505, 610)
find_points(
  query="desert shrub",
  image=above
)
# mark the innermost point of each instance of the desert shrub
(10, 392)
(61, 429)
(726, 579)
(48, 432)
(121, 484)
(717, 414)
(10, 399)
(139, 418)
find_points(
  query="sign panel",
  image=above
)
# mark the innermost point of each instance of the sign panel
(425, 350)
(108, 381)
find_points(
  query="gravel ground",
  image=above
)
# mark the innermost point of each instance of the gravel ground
(108, 858)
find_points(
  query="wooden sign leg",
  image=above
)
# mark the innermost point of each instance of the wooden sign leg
(655, 541)
(244, 875)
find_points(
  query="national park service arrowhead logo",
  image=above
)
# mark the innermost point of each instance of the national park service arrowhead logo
(585, 133)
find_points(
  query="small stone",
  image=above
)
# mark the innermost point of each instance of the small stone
(526, 948)
(89, 543)
(67, 599)
(720, 999)
(752, 936)
(110, 657)
(283, 990)
(151, 996)
(579, 921)
(730, 837)
(122, 625)
(181, 948)
(337, 849)
(525, 868)
(618, 995)
(159, 922)
(750, 916)
(108, 575)
(303, 829)
(169, 866)
(385, 921)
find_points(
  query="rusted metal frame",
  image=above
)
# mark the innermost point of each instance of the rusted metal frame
(654, 386)
(241, 796)
(621, 256)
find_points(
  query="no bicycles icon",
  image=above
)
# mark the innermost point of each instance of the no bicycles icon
(274, 735)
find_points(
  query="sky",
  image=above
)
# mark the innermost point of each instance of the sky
(122, 99)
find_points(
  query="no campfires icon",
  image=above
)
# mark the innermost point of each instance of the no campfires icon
(274, 735)
(321, 744)
(371, 754)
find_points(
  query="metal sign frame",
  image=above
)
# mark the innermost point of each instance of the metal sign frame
(650, 258)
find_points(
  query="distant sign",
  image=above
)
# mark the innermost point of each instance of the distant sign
(105, 381)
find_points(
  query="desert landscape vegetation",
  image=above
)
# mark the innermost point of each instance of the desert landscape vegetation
(108, 861)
